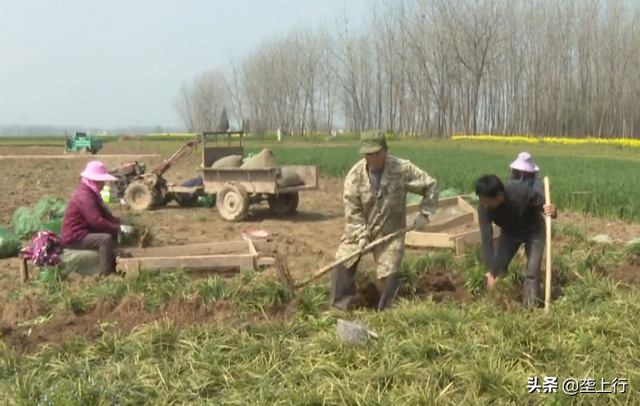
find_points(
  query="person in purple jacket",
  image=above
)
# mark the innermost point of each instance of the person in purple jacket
(87, 224)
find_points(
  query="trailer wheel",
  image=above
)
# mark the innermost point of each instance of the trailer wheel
(284, 204)
(232, 202)
(139, 197)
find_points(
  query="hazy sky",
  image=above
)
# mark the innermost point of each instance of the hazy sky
(116, 62)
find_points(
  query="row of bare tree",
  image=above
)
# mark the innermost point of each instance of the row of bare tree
(440, 67)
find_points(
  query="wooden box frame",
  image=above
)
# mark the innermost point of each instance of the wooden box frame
(218, 256)
(436, 234)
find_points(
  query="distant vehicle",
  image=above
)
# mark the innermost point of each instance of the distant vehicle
(80, 142)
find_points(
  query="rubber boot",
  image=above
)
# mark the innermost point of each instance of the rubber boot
(343, 286)
(390, 286)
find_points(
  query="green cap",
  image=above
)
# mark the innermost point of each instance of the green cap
(371, 142)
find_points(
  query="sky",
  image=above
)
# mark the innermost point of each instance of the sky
(116, 62)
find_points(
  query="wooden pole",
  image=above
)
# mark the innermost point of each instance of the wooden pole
(356, 254)
(547, 284)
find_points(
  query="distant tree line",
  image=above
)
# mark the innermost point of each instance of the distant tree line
(440, 67)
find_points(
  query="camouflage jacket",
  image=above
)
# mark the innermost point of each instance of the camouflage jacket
(370, 214)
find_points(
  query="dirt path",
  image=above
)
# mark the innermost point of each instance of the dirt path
(77, 156)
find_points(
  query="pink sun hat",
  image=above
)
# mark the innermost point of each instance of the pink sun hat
(524, 163)
(97, 172)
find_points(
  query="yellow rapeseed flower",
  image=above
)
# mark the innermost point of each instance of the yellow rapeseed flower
(522, 139)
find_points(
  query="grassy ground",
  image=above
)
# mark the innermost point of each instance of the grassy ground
(429, 354)
(281, 349)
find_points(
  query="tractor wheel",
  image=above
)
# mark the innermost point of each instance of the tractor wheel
(232, 202)
(283, 204)
(139, 197)
(94, 151)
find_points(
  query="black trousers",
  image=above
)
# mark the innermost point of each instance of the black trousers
(105, 244)
(534, 246)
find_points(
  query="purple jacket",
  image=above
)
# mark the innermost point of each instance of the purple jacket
(86, 214)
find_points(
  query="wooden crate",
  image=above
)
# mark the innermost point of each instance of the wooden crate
(220, 256)
(454, 226)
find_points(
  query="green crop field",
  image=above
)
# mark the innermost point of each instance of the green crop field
(609, 172)
(273, 347)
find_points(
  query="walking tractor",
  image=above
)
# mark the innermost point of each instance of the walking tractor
(236, 188)
(80, 142)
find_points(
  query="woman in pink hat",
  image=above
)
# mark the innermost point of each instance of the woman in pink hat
(523, 169)
(87, 224)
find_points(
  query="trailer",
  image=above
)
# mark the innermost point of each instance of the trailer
(235, 189)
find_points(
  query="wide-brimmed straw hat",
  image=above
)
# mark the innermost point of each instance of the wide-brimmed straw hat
(97, 172)
(524, 163)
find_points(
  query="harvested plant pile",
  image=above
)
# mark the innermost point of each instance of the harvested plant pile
(45, 215)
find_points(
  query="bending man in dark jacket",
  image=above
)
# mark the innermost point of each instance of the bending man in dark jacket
(87, 224)
(518, 210)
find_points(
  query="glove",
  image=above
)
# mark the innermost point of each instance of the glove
(126, 229)
(362, 244)
(421, 221)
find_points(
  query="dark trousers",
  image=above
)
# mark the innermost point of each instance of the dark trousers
(534, 246)
(343, 287)
(105, 244)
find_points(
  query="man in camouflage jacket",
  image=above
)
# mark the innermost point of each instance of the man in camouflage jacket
(375, 193)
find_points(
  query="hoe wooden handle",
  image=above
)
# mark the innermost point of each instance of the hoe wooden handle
(356, 254)
(547, 283)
